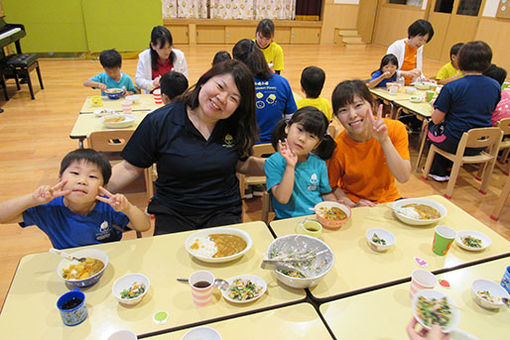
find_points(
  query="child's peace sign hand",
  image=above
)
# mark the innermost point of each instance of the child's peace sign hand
(379, 128)
(287, 153)
(118, 202)
(45, 193)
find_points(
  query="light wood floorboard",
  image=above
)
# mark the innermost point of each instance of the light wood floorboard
(34, 136)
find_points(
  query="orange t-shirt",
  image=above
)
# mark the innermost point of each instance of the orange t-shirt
(360, 169)
(409, 61)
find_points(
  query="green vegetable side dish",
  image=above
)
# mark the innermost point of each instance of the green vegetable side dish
(376, 239)
(472, 242)
(243, 290)
(292, 273)
(486, 295)
(434, 311)
(136, 289)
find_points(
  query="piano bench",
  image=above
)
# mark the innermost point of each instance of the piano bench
(20, 65)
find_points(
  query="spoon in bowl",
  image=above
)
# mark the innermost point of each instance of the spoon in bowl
(66, 255)
(218, 283)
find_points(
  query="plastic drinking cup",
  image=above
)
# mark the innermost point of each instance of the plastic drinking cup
(127, 107)
(393, 89)
(429, 95)
(77, 312)
(157, 96)
(443, 239)
(421, 279)
(201, 283)
(505, 281)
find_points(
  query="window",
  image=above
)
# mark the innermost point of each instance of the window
(469, 7)
(416, 3)
(443, 6)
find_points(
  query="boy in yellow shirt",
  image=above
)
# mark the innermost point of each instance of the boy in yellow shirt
(450, 71)
(312, 82)
(272, 51)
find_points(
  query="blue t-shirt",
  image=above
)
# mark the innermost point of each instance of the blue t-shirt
(310, 181)
(274, 99)
(66, 229)
(125, 81)
(383, 82)
(468, 103)
(195, 175)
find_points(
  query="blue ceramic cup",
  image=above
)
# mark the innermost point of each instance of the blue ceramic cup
(72, 307)
(505, 281)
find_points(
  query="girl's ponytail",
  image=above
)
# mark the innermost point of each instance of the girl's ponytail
(325, 148)
(278, 133)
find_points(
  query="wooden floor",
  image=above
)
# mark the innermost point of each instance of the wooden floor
(34, 136)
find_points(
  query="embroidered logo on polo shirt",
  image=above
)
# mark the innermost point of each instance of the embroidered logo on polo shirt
(229, 141)
(104, 231)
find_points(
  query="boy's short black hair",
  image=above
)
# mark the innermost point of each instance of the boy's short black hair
(110, 59)
(173, 84)
(497, 73)
(90, 156)
(266, 28)
(420, 27)
(221, 56)
(475, 56)
(312, 81)
(454, 50)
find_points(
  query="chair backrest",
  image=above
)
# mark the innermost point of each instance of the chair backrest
(489, 137)
(262, 149)
(504, 125)
(109, 141)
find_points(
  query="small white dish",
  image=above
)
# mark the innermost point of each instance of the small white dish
(125, 282)
(202, 333)
(494, 290)
(484, 240)
(416, 99)
(387, 239)
(258, 281)
(429, 294)
(117, 121)
(133, 98)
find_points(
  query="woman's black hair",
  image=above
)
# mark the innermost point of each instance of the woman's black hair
(497, 73)
(346, 91)
(160, 35)
(242, 123)
(420, 27)
(266, 28)
(475, 56)
(387, 59)
(246, 51)
(314, 122)
(88, 156)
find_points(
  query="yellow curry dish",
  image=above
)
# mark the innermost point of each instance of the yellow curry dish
(332, 213)
(425, 212)
(83, 270)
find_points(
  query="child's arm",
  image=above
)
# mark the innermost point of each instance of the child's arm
(374, 82)
(447, 80)
(329, 197)
(12, 211)
(91, 83)
(138, 220)
(283, 191)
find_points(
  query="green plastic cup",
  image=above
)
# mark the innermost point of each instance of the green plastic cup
(429, 95)
(505, 85)
(443, 239)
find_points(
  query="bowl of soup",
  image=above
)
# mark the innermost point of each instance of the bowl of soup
(332, 214)
(78, 274)
(418, 211)
(114, 93)
(217, 245)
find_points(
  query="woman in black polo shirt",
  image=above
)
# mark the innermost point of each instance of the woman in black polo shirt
(198, 143)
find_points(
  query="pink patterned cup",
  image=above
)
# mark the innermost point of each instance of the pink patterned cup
(421, 279)
(201, 283)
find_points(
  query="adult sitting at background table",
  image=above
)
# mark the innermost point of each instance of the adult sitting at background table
(370, 153)
(409, 51)
(198, 143)
(159, 59)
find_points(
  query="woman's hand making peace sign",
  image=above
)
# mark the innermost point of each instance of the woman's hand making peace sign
(379, 128)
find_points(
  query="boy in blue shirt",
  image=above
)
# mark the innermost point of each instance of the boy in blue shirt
(72, 213)
(111, 78)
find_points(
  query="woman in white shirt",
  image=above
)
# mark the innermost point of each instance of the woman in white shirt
(159, 59)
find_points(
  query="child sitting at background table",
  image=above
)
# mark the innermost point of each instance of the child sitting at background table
(297, 175)
(272, 51)
(312, 82)
(387, 72)
(221, 56)
(172, 84)
(111, 78)
(450, 71)
(71, 213)
(503, 108)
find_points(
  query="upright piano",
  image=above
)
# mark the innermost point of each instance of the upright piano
(11, 33)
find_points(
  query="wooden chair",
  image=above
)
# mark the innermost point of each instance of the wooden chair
(501, 201)
(475, 138)
(267, 206)
(423, 141)
(111, 144)
(258, 151)
(504, 125)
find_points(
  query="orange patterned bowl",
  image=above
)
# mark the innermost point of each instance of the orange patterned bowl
(332, 214)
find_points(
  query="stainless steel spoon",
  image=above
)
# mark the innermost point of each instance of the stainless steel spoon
(218, 283)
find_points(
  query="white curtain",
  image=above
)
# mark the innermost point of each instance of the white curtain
(231, 9)
(275, 9)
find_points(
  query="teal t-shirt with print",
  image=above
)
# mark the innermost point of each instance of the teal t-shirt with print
(310, 181)
(125, 82)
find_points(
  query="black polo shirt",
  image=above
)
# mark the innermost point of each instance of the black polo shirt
(195, 175)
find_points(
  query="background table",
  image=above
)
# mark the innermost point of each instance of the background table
(30, 307)
(299, 321)
(144, 103)
(358, 268)
(385, 313)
